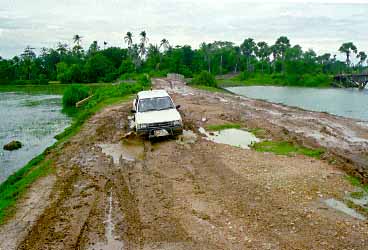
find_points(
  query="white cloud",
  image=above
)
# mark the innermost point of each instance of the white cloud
(322, 26)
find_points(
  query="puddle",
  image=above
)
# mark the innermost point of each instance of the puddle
(188, 137)
(359, 201)
(112, 243)
(232, 136)
(342, 207)
(119, 152)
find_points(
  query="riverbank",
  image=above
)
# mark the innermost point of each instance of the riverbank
(18, 183)
(194, 193)
(51, 89)
(241, 79)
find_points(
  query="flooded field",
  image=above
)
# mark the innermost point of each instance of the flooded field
(32, 119)
(349, 103)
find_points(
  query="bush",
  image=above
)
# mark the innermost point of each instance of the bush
(74, 94)
(245, 75)
(144, 80)
(204, 78)
(42, 79)
(317, 80)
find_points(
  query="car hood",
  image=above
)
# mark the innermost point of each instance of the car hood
(157, 116)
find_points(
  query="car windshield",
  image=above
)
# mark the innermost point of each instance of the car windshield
(154, 104)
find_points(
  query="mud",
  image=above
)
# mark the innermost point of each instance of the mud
(192, 193)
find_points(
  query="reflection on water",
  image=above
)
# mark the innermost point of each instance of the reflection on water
(350, 103)
(32, 119)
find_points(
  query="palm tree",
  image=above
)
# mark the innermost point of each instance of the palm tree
(207, 51)
(77, 39)
(129, 39)
(142, 50)
(105, 44)
(362, 56)
(237, 52)
(142, 45)
(282, 45)
(248, 47)
(347, 49)
(165, 44)
(263, 52)
(144, 38)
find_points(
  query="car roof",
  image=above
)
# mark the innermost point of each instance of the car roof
(152, 93)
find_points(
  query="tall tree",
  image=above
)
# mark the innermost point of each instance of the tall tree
(347, 49)
(248, 47)
(263, 52)
(129, 38)
(362, 56)
(237, 52)
(77, 39)
(207, 53)
(93, 48)
(62, 48)
(142, 45)
(28, 57)
(165, 44)
(281, 45)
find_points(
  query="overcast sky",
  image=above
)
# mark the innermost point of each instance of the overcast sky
(321, 25)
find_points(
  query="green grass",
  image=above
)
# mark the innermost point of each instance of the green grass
(258, 132)
(286, 148)
(16, 184)
(356, 182)
(316, 81)
(357, 195)
(55, 89)
(223, 126)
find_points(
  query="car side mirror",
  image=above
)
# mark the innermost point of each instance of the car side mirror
(177, 106)
(133, 111)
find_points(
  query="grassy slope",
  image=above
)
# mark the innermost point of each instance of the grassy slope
(57, 89)
(16, 184)
(266, 80)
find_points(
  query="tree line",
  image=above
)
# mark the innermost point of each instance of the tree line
(72, 63)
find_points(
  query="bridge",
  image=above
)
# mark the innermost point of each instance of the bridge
(351, 80)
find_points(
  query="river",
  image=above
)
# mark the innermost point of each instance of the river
(32, 119)
(350, 103)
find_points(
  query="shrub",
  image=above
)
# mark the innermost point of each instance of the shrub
(43, 79)
(204, 78)
(144, 79)
(245, 75)
(74, 94)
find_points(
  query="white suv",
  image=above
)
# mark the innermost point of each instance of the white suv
(156, 115)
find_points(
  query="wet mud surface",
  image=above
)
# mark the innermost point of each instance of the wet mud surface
(112, 192)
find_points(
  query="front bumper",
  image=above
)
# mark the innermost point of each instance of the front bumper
(172, 130)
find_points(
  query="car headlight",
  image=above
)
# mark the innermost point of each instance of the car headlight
(142, 126)
(177, 123)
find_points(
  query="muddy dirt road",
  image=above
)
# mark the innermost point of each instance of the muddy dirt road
(110, 192)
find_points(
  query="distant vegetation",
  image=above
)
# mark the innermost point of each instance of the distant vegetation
(257, 62)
